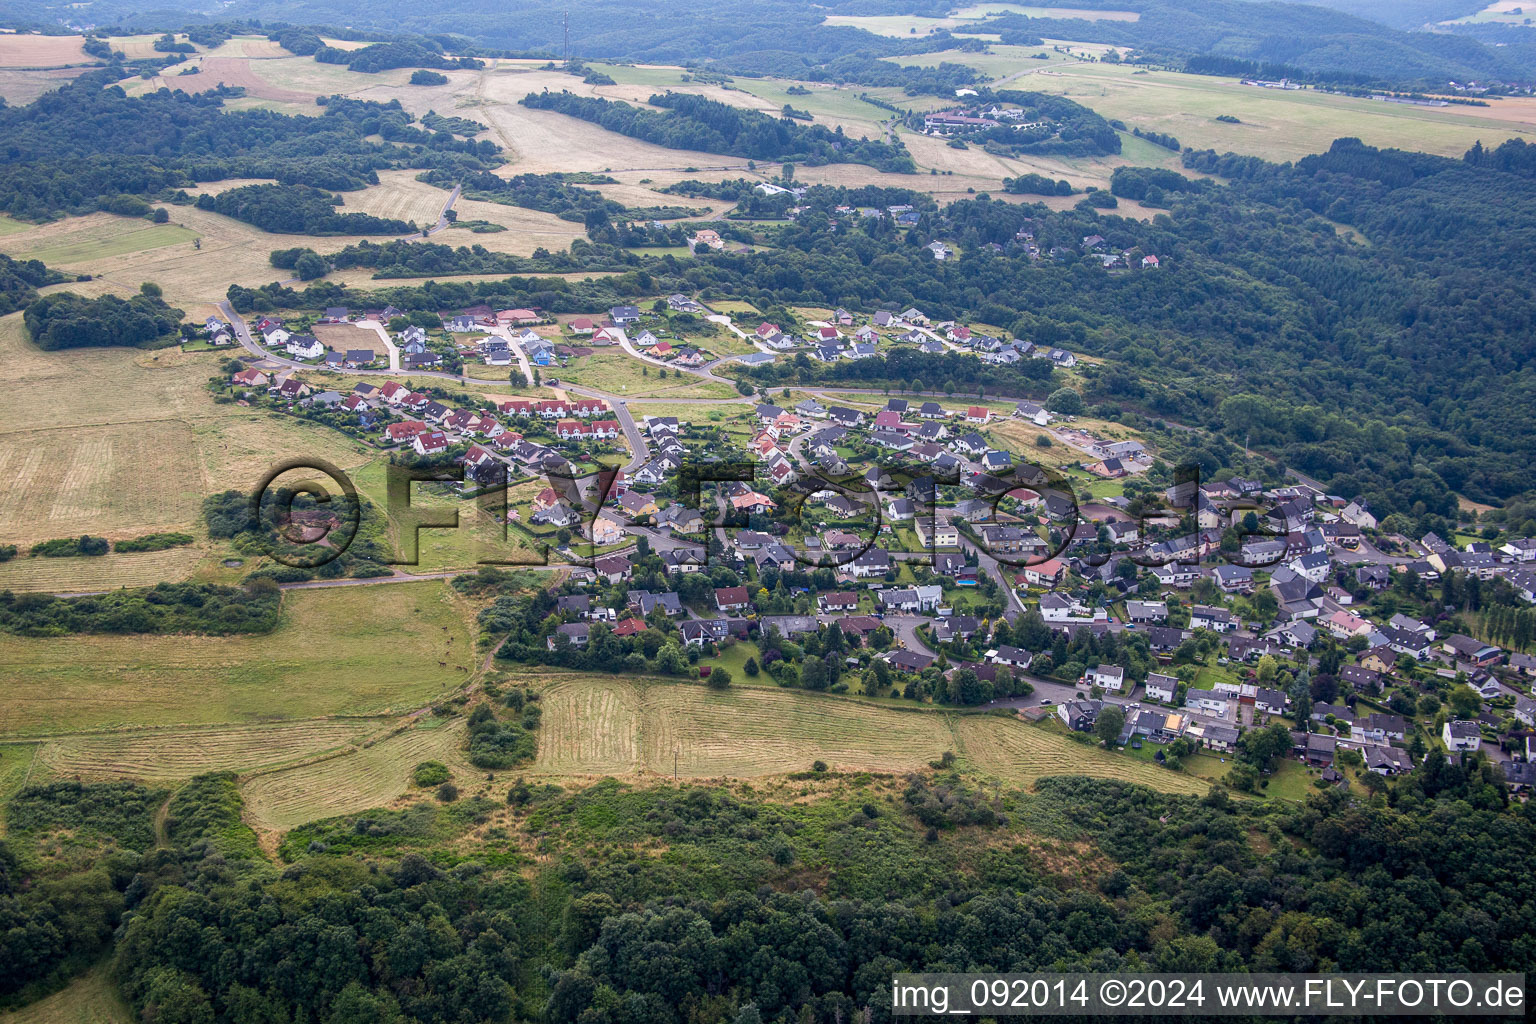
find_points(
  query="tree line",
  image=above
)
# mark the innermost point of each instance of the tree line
(696, 123)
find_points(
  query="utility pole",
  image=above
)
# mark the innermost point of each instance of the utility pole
(674, 764)
(567, 37)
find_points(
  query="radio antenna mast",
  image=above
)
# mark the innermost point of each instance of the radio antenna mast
(567, 37)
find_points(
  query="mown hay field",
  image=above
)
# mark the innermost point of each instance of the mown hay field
(103, 479)
(358, 650)
(1021, 753)
(122, 442)
(400, 196)
(103, 572)
(355, 781)
(602, 725)
(169, 755)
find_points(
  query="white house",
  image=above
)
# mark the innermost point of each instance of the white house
(1461, 735)
(1161, 688)
(1107, 677)
(305, 346)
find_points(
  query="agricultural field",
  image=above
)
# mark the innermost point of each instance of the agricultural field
(354, 781)
(137, 447)
(600, 725)
(93, 479)
(969, 20)
(96, 236)
(1277, 124)
(22, 87)
(102, 572)
(16, 763)
(1020, 754)
(357, 650)
(25, 50)
(170, 755)
(542, 141)
(400, 196)
(1500, 12)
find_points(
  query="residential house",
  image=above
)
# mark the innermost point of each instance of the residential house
(1106, 677)
(1161, 687)
(613, 568)
(732, 599)
(1460, 735)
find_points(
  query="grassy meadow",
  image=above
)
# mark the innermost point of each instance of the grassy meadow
(346, 650)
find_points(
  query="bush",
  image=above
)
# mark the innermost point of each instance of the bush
(70, 547)
(497, 744)
(447, 792)
(424, 77)
(153, 542)
(430, 773)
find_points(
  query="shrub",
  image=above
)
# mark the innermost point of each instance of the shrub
(430, 773)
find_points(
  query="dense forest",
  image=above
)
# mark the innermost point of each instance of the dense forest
(693, 122)
(86, 145)
(298, 210)
(67, 320)
(757, 911)
(20, 280)
(394, 54)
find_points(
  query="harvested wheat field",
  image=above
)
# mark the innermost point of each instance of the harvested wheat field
(366, 650)
(34, 51)
(354, 781)
(169, 755)
(1021, 753)
(227, 70)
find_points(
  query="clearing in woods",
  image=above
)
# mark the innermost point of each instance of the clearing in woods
(354, 781)
(400, 196)
(596, 725)
(359, 650)
(89, 999)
